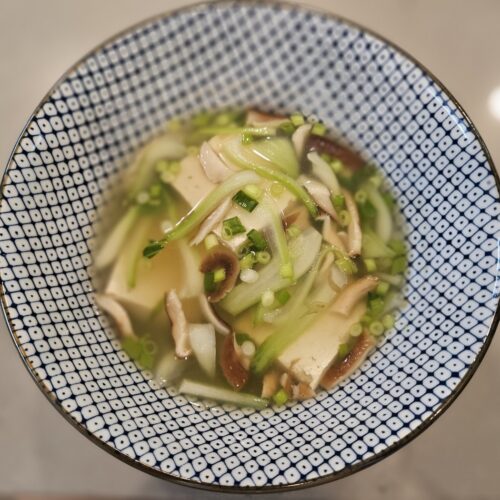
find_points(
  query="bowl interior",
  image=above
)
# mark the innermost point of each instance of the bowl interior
(278, 58)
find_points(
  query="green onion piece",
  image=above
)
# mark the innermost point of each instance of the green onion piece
(201, 211)
(247, 261)
(376, 328)
(376, 180)
(338, 202)
(398, 265)
(247, 138)
(263, 257)
(382, 288)
(286, 270)
(345, 264)
(360, 196)
(288, 128)
(337, 166)
(370, 265)
(201, 119)
(376, 306)
(398, 246)
(258, 240)
(211, 241)
(293, 231)
(343, 351)
(234, 156)
(149, 346)
(241, 337)
(319, 129)
(146, 360)
(232, 227)
(223, 119)
(219, 275)
(344, 218)
(366, 319)
(388, 321)
(281, 397)
(356, 330)
(245, 201)
(283, 296)
(297, 119)
(253, 191)
(209, 282)
(389, 200)
(384, 263)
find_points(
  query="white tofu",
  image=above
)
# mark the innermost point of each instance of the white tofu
(310, 356)
(191, 182)
(165, 271)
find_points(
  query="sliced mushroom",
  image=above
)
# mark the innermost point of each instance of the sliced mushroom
(211, 221)
(343, 237)
(270, 384)
(233, 370)
(337, 278)
(295, 214)
(334, 149)
(299, 139)
(353, 293)
(257, 119)
(330, 235)
(209, 314)
(321, 195)
(302, 391)
(118, 313)
(215, 169)
(221, 257)
(180, 331)
(354, 235)
(341, 370)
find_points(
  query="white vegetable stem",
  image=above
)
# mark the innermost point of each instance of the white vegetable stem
(169, 368)
(303, 250)
(324, 173)
(202, 339)
(115, 241)
(383, 220)
(219, 394)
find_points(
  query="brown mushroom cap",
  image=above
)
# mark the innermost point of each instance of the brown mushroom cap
(342, 369)
(233, 370)
(346, 156)
(221, 257)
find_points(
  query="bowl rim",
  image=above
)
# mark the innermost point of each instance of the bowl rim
(348, 471)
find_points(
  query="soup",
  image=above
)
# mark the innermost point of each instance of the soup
(249, 258)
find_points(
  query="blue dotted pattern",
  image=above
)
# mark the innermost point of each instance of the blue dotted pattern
(274, 58)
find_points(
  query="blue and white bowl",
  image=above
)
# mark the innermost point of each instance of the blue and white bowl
(271, 56)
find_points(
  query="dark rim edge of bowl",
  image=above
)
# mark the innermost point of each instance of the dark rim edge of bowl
(347, 471)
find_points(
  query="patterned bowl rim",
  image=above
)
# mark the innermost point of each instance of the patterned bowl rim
(363, 464)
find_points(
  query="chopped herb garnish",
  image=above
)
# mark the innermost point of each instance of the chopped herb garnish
(398, 246)
(232, 227)
(287, 128)
(370, 265)
(367, 211)
(297, 119)
(258, 240)
(376, 306)
(283, 296)
(281, 397)
(382, 288)
(338, 202)
(219, 275)
(376, 328)
(263, 257)
(153, 248)
(245, 201)
(209, 282)
(247, 261)
(398, 265)
(319, 129)
(356, 330)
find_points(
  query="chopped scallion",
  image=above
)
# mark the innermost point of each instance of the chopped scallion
(281, 397)
(376, 328)
(283, 296)
(293, 231)
(247, 138)
(360, 196)
(376, 306)
(382, 288)
(388, 321)
(244, 201)
(338, 202)
(344, 218)
(232, 227)
(247, 261)
(398, 246)
(288, 128)
(297, 119)
(343, 351)
(209, 282)
(219, 275)
(370, 265)
(337, 166)
(319, 129)
(263, 257)
(356, 330)
(258, 240)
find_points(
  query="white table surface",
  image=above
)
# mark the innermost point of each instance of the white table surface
(456, 458)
